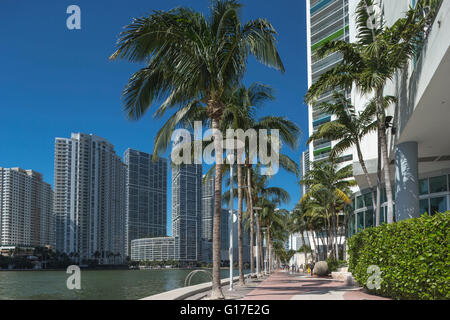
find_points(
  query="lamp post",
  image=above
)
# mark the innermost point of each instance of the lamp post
(265, 255)
(257, 242)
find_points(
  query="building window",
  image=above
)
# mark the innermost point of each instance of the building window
(369, 219)
(382, 215)
(368, 200)
(438, 184)
(360, 221)
(438, 205)
(423, 186)
(424, 206)
(359, 202)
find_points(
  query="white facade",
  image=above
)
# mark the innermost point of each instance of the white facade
(419, 151)
(326, 20)
(26, 209)
(153, 249)
(89, 198)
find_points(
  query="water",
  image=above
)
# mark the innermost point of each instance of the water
(103, 285)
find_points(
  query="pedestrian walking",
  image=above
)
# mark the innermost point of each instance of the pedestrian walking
(312, 267)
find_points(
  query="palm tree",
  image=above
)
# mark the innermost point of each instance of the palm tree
(192, 61)
(275, 222)
(298, 224)
(261, 190)
(240, 113)
(329, 188)
(373, 61)
(97, 255)
(349, 128)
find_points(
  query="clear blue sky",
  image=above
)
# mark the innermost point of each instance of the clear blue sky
(54, 81)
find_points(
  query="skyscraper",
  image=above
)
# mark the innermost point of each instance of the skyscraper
(146, 190)
(26, 209)
(207, 218)
(304, 169)
(89, 198)
(207, 228)
(187, 211)
(326, 20)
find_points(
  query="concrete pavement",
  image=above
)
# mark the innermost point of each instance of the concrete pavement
(284, 286)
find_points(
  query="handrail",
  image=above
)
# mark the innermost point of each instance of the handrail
(187, 280)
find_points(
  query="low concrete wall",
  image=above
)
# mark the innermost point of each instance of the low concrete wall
(186, 292)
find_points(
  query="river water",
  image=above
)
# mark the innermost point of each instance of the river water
(103, 285)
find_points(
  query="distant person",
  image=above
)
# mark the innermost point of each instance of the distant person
(312, 267)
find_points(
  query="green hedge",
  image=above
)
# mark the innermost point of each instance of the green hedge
(413, 256)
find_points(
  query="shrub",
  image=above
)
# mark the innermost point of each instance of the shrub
(334, 265)
(413, 257)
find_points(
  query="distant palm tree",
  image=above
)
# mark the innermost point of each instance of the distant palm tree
(240, 113)
(275, 222)
(298, 224)
(372, 61)
(97, 256)
(192, 61)
(262, 190)
(329, 189)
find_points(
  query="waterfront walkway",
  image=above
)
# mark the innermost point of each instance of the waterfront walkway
(285, 286)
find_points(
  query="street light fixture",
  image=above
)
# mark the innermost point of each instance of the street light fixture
(266, 255)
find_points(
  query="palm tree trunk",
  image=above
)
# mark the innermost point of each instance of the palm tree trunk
(366, 173)
(304, 247)
(216, 292)
(315, 245)
(328, 231)
(335, 246)
(240, 237)
(269, 258)
(378, 211)
(252, 222)
(383, 144)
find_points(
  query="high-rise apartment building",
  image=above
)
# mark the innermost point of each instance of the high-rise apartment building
(418, 148)
(304, 169)
(207, 228)
(326, 20)
(89, 198)
(187, 211)
(146, 192)
(207, 218)
(26, 209)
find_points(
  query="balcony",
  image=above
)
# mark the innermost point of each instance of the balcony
(321, 121)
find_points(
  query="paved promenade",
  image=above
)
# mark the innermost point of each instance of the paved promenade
(284, 286)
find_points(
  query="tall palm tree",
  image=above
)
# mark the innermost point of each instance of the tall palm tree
(275, 222)
(349, 128)
(261, 189)
(298, 224)
(240, 113)
(191, 62)
(372, 61)
(329, 188)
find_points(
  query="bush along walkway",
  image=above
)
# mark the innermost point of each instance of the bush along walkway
(285, 286)
(412, 258)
